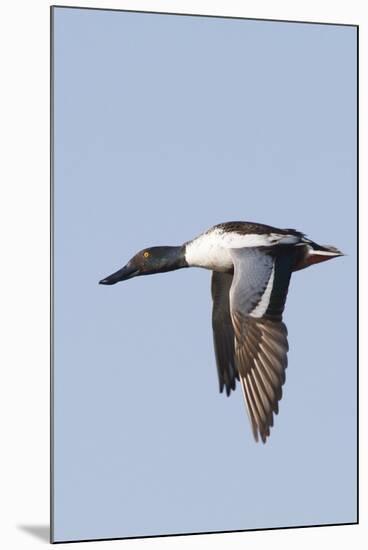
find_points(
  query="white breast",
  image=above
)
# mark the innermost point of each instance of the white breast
(208, 251)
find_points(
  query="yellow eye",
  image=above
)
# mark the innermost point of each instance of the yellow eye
(146, 254)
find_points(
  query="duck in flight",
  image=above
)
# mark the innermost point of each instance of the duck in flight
(251, 266)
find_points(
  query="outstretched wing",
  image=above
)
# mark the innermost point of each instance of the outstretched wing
(223, 331)
(257, 298)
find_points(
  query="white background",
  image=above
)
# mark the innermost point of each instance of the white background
(24, 288)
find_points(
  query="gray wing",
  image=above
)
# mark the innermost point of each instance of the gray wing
(257, 299)
(223, 331)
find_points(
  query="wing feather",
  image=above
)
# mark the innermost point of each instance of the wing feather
(261, 343)
(223, 331)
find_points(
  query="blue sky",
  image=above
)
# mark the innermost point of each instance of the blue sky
(165, 126)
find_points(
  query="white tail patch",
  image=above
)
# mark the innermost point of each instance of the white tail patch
(313, 252)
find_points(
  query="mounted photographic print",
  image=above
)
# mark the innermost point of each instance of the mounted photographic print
(204, 237)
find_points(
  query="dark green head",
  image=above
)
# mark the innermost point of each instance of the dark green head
(157, 259)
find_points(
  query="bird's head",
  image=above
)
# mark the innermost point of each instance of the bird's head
(156, 259)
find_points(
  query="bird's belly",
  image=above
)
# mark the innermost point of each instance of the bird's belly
(218, 260)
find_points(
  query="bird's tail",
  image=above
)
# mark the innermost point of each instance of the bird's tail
(312, 253)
